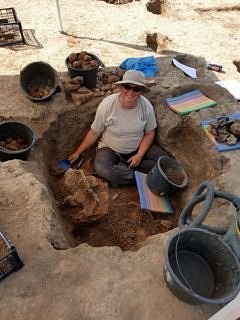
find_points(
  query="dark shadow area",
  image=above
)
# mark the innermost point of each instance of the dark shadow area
(31, 41)
(118, 43)
(228, 8)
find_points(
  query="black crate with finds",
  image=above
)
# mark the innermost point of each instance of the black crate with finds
(10, 28)
(9, 259)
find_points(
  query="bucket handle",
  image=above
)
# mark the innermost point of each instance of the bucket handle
(2, 148)
(198, 196)
(208, 197)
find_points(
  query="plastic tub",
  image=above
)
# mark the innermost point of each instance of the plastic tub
(89, 75)
(40, 77)
(14, 130)
(159, 182)
(201, 268)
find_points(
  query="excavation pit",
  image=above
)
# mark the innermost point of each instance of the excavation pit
(125, 225)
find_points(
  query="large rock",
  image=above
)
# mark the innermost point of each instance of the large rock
(87, 195)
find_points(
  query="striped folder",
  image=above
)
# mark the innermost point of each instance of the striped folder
(189, 102)
(150, 200)
(221, 147)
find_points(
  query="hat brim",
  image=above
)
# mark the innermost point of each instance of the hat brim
(145, 89)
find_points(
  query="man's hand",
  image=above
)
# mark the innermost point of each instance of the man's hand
(73, 157)
(135, 160)
(88, 140)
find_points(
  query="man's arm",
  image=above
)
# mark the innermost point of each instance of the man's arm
(88, 140)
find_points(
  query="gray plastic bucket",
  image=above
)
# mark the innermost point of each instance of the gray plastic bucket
(89, 75)
(159, 182)
(201, 268)
(14, 130)
(39, 74)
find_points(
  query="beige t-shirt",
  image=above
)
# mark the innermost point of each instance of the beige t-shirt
(122, 129)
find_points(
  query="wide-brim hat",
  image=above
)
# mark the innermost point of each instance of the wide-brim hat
(134, 77)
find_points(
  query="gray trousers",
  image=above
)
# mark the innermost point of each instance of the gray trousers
(114, 167)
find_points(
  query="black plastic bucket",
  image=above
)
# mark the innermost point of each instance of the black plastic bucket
(89, 75)
(201, 268)
(39, 75)
(14, 130)
(159, 182)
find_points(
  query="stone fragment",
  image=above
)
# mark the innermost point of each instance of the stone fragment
(225, 130)
(235, 128)
(231, 140)
(80, 98)
(72, 85)
(157, 41)
(237, 64)
(88, 198)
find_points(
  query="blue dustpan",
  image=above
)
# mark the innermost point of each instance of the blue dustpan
(60, 167)
(64, 164)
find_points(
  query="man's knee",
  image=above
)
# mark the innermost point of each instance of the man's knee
(101, 169)
(116, 174)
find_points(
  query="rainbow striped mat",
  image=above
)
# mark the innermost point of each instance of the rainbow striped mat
(150, 200)
(221, 147)
(189, 102)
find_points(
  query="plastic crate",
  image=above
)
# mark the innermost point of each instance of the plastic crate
(9, 259)
(10, 28)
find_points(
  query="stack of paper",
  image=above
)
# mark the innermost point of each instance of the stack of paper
(191, 72)
(233, 87)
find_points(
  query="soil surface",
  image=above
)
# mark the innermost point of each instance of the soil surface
(111, 268)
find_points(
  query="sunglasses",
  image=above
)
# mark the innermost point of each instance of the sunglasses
(128, 87)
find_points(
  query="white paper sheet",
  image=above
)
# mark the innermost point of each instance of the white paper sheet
(188, 70)
(232, 86)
